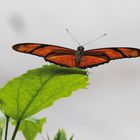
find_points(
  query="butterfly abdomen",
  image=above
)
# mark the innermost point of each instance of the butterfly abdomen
(78, 56)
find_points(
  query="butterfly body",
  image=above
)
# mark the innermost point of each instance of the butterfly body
(76, 58)
(78, 55)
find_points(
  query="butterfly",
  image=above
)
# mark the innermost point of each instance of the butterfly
(76, 58)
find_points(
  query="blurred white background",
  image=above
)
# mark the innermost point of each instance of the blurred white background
(109, 109)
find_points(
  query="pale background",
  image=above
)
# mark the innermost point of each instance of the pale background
(109, 109)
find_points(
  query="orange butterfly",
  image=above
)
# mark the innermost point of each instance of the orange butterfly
(76, 58)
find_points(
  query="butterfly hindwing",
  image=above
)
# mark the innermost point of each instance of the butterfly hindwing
(67, 60)
(88, 61)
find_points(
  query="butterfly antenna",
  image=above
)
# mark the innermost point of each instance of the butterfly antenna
(72, 37)
(95, 39)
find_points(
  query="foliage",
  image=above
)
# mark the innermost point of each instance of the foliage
(61, 135)
(35, 90)
(39, 88)
(31, 127)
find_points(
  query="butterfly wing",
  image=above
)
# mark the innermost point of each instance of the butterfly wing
(97, 57)
(55, 54)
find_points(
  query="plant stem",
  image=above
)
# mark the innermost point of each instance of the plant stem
(6, 128)
(15, 131)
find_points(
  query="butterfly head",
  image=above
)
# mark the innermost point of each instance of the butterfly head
(80, 48)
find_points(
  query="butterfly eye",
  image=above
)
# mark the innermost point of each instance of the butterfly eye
(80, 48)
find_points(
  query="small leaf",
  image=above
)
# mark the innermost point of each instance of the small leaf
(31, 127)
(61, 135)
(39, 88)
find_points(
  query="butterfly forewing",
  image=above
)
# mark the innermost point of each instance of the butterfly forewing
(40, 49)
(114, 53)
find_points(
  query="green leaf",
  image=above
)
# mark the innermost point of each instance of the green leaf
(31, 127)
(39, 88)
(61, 135)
